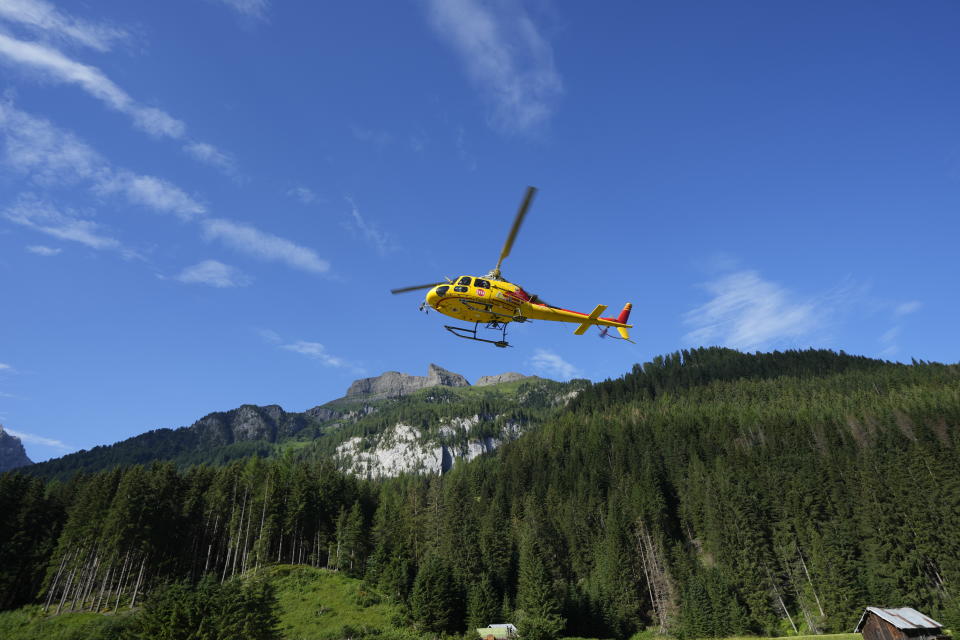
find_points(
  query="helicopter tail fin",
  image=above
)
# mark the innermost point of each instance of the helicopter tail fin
(622, 319)
(589, 321)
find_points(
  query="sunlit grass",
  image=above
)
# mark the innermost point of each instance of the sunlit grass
(30, 623)
(317, 603)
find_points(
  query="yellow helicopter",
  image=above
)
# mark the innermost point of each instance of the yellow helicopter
(495, 302)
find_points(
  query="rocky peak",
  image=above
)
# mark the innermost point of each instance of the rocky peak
(393, 383)
(437, 375)
(12, 453)
(247, 422)
(510, 376)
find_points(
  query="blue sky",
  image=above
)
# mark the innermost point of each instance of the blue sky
(205, 203)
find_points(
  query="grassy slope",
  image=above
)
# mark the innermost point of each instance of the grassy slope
(29, 623)
(314, 604)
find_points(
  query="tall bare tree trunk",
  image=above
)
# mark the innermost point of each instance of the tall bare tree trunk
(133, 600)
(659, 583)
(91, 580)
(783, 606)
(66, 590)
(103, 586)
(123, 577)
(56, 579)
(236, 550)
(810, 582)
(263, 519)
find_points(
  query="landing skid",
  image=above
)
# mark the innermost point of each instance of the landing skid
(471, 334)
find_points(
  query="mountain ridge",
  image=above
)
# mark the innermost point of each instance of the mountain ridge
(12, 453)
(221, 436)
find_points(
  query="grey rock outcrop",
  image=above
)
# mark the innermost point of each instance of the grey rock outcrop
(510, 376)
(393, 383)
(12, 453)
(406, 449)
(247, 422)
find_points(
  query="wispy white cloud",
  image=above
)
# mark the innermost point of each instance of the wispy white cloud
(303, 194)
(369, 230)
(59, 67)
(316, 351)
(209, 154)
(270, 336)
(42, 17)
(151, 192)
(907, 308)
(56, 66)
(5, 367)
(50, 156)
(53, 157)
(215, 274)
(40, 250)
(506, 57)
(29, 211)
(41, 440)
(263, 245)
(551, 364)
(889, 340)
(747, 312)
(249, 8)
(313, 350)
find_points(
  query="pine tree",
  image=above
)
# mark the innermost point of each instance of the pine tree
(435, 601)
(538, 607)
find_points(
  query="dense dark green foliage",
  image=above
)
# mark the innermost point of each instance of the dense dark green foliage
(709, 492)
(208, 611)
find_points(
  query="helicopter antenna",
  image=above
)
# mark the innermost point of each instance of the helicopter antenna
(508, 245)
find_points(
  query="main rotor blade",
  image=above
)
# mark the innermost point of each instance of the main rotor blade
(521, 213)
(415, 287)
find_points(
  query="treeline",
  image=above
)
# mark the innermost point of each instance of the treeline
(98, 541)
(707, 493)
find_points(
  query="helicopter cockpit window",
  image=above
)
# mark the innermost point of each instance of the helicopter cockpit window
(442, 291)
(465, 281)
(483, 284)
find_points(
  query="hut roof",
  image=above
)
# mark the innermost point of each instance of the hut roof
(902, 618)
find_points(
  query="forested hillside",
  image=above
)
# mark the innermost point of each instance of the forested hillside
(706, 493)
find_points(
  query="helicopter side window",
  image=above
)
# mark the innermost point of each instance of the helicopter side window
(460, 289)
(483, 284)
(465, 281)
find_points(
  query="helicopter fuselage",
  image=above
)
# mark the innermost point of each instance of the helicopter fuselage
(485, 300)
(479, 300)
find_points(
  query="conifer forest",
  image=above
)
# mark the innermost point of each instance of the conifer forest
(706, 493)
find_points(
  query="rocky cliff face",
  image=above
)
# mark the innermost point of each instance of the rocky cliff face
(12, 453)
(406, 449)
(248, 422)
(510, 376)
(393, 383)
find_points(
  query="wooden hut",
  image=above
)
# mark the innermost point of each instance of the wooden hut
(898, 624)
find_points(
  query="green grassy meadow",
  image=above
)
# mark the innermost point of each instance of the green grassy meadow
(314, 604)
(30, 623)
(322, 604)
